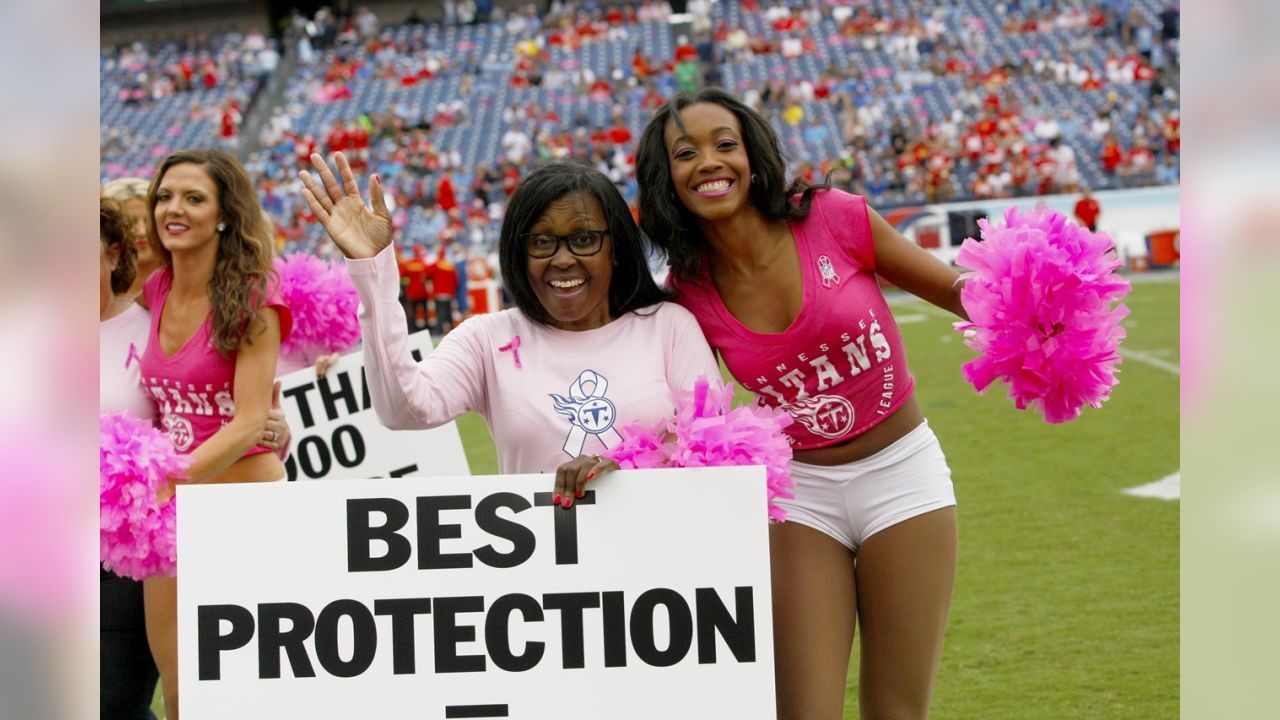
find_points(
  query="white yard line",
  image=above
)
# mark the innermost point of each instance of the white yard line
(1151, 359)
(1166, 488)
(911, 302)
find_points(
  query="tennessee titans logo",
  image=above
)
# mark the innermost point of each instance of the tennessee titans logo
(829, 276)
(179, 429)
(589, 413)
(829, 416)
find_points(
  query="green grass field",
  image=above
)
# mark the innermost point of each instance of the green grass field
(1066, 604)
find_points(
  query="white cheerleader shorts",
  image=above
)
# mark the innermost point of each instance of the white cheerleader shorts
(854, 501)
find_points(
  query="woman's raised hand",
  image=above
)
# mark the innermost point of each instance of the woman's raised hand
(358, 231)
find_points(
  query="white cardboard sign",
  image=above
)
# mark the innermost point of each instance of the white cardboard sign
(442, 598)
(336, 433)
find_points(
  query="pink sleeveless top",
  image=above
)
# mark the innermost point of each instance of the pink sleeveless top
(839, 369)
(193, 387)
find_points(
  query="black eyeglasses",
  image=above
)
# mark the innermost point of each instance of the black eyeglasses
(582, 243)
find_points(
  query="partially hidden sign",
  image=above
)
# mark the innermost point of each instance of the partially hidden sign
(475, 597)
(336, 433)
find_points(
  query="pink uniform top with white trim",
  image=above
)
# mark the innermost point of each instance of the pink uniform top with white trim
(548, 395)
(193, 387)
(839, 369)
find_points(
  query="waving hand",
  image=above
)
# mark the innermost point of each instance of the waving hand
(358, 231)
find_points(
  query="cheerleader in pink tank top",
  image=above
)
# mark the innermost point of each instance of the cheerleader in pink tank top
(215, 334)
(783, 281)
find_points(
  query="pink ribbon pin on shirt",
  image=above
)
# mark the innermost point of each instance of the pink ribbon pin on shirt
(133, 355)
(514, 347)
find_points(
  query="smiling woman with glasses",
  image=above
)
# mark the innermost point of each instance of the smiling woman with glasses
(591, 346)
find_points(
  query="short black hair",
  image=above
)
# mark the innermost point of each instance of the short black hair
(632, 286)
(665, 219)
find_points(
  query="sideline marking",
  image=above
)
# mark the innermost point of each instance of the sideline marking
(1166, 488)
(1151, 359)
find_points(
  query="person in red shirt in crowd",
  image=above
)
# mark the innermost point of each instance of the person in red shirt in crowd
(620, 135)
(1097, 18)
(230, 121)
(444, 284)
(598, 137)
(992, 101)
(337, 140)
(971, 145)
(1141, 161)
(652, 99)
(600, 90)
(186, 71)
(1112, 156)
(304, 147)
(359, 141)
(510, 179)
(1091, 81)
(445, 196)
(987, 126)
(209, 75)
(1020, 173)
(1046, 166)
(1173, 133)
(414, 274)
(1087, 210)
(685, 51)
(476, 213)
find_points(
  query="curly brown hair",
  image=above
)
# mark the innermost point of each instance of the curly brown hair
(116, 230)
(243, 273)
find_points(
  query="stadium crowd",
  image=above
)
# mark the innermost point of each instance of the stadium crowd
(910, 103)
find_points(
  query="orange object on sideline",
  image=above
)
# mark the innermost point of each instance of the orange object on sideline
(1162, 248)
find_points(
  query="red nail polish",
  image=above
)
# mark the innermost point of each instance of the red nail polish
(567, 502)
(555, 499)
(591, 474)
(581, 492)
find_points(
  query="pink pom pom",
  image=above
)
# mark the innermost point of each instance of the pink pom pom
(1040, 298)
(138, 538)
(323, 302)
(706, 432)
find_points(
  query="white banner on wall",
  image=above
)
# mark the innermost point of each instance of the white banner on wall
(475, 597)
(336, 433)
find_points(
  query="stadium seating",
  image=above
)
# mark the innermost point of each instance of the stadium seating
(480, 65)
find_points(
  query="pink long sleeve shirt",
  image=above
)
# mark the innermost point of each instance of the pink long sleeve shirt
(548, 395)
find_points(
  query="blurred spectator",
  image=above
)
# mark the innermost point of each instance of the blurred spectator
(1087, 210)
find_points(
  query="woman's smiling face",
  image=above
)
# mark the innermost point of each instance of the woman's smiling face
(709, 165)
(186, 210)
(573, 289)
